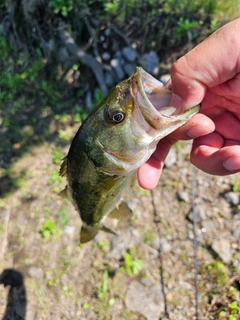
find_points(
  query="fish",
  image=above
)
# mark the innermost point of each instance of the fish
(112, 143)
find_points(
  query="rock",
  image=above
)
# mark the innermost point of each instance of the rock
(200, 213)
(223, 248)
(146, 281)
(129, 68)
(150, 62)
(171, 157)
(184, 196)
(162, 245)
(35, 272)
(145, 300)
(69, 230)
(107, 32)
(236, 234)
(210, 225)
(232, 198)
(109, 79)
(106, 56)
(119, 245)
(129, 54)
(116, 65)
(164, 78)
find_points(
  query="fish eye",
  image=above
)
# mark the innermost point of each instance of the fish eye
(117, 117)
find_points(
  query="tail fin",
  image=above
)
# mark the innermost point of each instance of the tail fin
(87, 233)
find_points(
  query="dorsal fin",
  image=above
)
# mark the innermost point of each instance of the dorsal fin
(122, 211)
(63, 168)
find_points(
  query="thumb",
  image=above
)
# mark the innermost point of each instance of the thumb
(214, 61)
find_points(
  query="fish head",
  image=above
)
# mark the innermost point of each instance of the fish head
(132, 119)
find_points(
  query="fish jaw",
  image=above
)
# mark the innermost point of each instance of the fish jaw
(153, 99)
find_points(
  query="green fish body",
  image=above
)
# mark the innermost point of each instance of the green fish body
(112, 143)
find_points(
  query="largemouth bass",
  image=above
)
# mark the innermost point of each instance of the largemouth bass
(112, 143)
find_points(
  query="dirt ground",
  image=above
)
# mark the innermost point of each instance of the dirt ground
(145, 272)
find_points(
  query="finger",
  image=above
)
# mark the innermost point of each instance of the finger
(198, 126)
(212, 155)
(227, 125)
(150, 172)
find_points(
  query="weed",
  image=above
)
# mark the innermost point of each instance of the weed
(219, 272)
(132, 265)
(102, 292)
(185, 27)
(149, 237)
(234, 308)
(62, 7)
(62, 215)
(67, 291)
(80, 114)
(55, 178)
(103, 245)
(98, 97)
(86, 306)
(57, 156)
(48, 229)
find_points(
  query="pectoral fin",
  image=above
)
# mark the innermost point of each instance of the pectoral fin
(122, 211)
(63, 168)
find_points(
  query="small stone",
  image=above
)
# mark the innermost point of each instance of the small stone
(35, 272)
(236, 234)
(183, 196)
(107, 32)
(150, 62)
(145, 300)
(210, 225)
(146, 281)
(106, 56)
(162, 245)
(223, 248)
(200, 213)
(164, 78)
(116, 65)
(129, 68)
(109, 79)
(232, 198)
(69, 230)
(119, 245)
(129, 54)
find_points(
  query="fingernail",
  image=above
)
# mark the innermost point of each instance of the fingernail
(232, 164)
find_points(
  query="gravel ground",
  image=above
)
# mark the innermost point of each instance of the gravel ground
(145, 272)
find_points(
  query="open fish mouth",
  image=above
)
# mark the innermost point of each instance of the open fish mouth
(153, 99)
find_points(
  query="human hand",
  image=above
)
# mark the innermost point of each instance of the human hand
(209, 74)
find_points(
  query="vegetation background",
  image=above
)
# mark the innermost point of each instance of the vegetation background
(52, 75)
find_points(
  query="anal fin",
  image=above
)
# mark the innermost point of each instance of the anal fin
(122, 211)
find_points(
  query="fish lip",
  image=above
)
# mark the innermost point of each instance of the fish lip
(153, 99)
